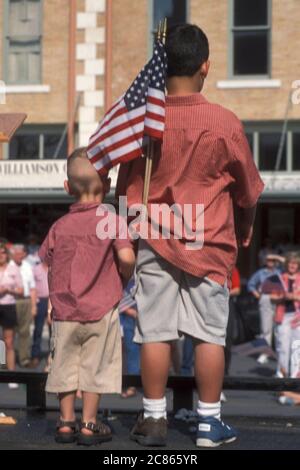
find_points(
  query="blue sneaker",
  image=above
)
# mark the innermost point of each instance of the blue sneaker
(212, 432)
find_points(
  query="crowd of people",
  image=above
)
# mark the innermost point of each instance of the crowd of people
(23, 302)
(24, 305)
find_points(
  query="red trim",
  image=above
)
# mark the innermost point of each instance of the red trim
(155, 117)
(156, 134)
(156, 101)
(117, 129)
(115, 146)
(125, 158)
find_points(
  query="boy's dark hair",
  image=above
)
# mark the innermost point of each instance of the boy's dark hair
(187, 49)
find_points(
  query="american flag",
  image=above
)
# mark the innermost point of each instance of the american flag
(138, 113)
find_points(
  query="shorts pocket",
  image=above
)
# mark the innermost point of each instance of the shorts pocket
(217, 304)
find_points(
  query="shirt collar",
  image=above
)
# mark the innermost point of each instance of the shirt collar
(185, 100)
(81, 207)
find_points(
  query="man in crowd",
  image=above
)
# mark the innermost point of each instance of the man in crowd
(266, 308)
(26, 305)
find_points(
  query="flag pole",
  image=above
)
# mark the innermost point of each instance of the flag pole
(161, 34)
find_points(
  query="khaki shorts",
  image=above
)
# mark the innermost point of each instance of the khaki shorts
(86, 356)
(171, 302)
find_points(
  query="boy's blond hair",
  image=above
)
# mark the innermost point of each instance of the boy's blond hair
(82, 177)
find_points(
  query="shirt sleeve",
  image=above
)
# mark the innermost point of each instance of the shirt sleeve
(46, 250)
(253, 282)
(247, 183)
(122, 239)
(236, 280)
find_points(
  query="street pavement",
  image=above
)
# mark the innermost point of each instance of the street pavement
(262, 423)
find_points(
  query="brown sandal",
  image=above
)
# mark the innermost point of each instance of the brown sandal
(66, 437)
(101, 433)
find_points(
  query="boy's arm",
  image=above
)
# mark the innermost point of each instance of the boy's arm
(244, 228)
(126, 258)
(124, 250)
(247, 186)
(46, 249)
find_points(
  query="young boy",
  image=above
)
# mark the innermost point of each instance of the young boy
(204, 159)
(85, 288)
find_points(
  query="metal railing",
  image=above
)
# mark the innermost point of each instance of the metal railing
(182, 387)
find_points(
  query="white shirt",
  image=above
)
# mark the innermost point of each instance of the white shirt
(27, 277)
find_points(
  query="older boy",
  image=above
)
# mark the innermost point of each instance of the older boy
(85, 287)
(204, 159)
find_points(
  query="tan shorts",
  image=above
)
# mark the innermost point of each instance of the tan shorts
(86, 356)
(171, 302)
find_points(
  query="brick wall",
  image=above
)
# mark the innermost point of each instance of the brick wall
(47, 107)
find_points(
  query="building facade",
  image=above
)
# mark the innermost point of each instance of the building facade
(64, 62)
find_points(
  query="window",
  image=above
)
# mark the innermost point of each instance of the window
(33, 143)
(265, 140)
(251, 37)
(269, 143)
(23, 41)
(174, 10)
(296, 151)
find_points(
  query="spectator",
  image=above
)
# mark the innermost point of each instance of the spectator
(187, 357)
(234, 293)
(287, 317)
(10, 288)
(266, 249)
(128, 315)
(26, 306)
(85, 288)
(33, 248)
(41, 280)
(266, 308)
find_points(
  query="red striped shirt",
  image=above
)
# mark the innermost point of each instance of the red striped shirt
(204, 159)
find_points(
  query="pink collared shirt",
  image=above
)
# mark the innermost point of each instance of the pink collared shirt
(84, 281)
(10, 278)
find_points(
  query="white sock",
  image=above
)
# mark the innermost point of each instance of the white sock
(155, 408)
(209, 409)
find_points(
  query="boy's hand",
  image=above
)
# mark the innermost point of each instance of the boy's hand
(3, 291)
(244, 225)
(131, 312)
(245, 236)
(33, 310)
(126, 258)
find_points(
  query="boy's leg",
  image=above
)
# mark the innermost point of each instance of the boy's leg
(155, 364)
(209, 374)
(67, 412)
(90, 405)
(209, 371)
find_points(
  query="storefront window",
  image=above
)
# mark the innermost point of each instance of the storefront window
(268, 149)
(33, 144)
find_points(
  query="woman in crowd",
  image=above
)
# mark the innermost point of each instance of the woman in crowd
(11, 287)
(287, 321)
